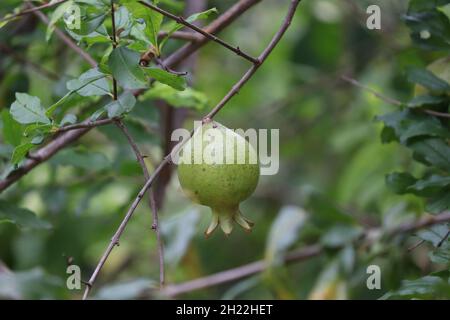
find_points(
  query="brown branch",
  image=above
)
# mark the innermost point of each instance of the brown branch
(181, 35)
(380, 96)
(261, 58)
(32, 10)
(167, 159)
(437, 113)
(391, 100)
(64, 37)
(444, 238)
(85, 125)
(152, 202)
(297, 255)
(166, 68)
(216, 26)
(115, 239)
(208, 35)
(173, 60)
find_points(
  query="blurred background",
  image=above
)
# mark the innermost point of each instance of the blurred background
(330, 186)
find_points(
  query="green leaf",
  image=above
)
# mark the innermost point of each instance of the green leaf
(97, 114)
(32, 129)
(445, 10)
(122, 105)
(100, 4)
(90, 83)
(439, 202)
(430, 27)
(56, 15)
(189, 98)
(20, 152)
(192, 18)
(427, 287)
(408, 124)
(124, 21)
(433, 151)
(284, 232)
(425, 101)
(151, 18)
(37, 139)
(5, 22)
(89, 23)
(428, 80)
(441, 255)
(27, 109)
(68, 119)
(432, 182)
(202, 15)
(434, 234)
(12, 131)
(175, 81)
(23, 218)
(124, 65)
(399, 182)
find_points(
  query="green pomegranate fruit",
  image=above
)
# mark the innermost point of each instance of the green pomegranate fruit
(208, 178)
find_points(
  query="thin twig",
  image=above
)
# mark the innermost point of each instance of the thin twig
(32, 10)
(443, 239)
(84, 125)
(223, 21)
(390, 100)
(121, 228)
(152, 202)
(212, 37)
(46, 152)
(297, 255)
(166, 68)
(437, 113)
(375, 93)
(167, 159)
(416, 245)
(238, 86)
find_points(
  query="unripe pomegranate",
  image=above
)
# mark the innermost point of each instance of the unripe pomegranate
(208, 178)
